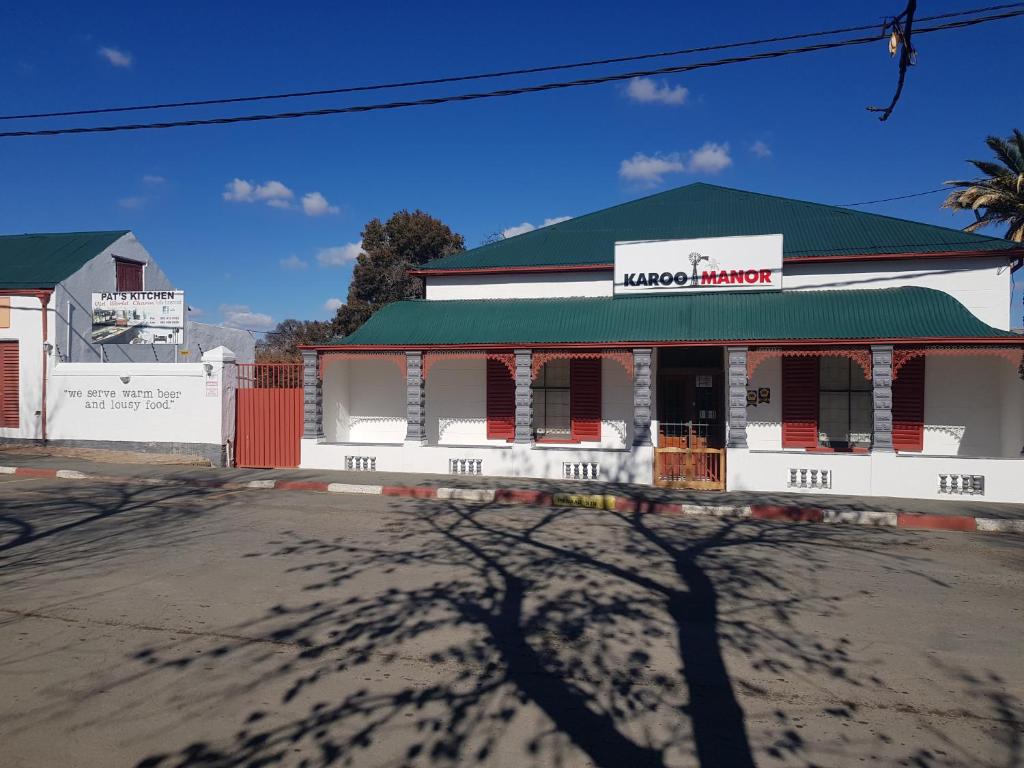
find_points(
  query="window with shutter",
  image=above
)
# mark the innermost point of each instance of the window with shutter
(501, 402)
(799, 402)
(9, 384)
(128, 274)
(908, 407)
(552, 419)
(585, 399)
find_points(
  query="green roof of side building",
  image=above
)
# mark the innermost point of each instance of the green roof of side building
(833, 316)
(43, 260)
(705, 210)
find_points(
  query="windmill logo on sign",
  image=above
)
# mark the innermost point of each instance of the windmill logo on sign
(695, 259)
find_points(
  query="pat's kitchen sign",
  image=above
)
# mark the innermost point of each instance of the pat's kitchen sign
(747, 263)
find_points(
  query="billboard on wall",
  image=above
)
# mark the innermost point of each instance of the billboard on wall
(745, 263)
(138, 317)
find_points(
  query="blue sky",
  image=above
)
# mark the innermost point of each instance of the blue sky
(248, 252)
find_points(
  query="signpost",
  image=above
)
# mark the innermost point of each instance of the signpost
(138, 317)
(745, 263)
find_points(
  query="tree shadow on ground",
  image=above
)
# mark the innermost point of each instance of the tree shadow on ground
(560, 637)
(81, 528)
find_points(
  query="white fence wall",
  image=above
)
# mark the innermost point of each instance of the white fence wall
(182, 407)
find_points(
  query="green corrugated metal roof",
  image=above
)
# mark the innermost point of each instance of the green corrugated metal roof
(43, 260)
(704, 210)
(890, 313)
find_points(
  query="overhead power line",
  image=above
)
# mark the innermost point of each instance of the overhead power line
(496, 74)
(503, 92)
(898, 197)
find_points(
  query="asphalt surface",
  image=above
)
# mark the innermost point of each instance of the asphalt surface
(156, 626)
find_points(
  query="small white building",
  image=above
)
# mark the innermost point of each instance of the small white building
(703, 337)
(46, 286)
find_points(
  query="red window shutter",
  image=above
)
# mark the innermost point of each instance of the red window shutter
(9, 385)
(908, 407)
(585, 399)
(501, 402)
(128, 274)
(799, 402)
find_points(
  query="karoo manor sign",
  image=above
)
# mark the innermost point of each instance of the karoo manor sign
(747, 263)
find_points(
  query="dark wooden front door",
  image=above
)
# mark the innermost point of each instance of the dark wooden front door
(691, 428)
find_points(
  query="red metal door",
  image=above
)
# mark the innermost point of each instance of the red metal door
(268, 423)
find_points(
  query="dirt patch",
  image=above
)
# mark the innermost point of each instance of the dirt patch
(107, 456)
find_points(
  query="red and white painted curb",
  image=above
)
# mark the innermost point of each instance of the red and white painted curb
(785, 513)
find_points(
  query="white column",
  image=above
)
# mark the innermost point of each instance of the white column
(524, 396)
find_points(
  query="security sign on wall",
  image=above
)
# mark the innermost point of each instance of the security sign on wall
(138, 317)
(746, 263)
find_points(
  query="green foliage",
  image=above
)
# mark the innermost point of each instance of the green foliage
(390, 248)
(998, 198)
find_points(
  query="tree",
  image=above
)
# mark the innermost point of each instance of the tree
(999, 198)
(281, 344)
(390, 248)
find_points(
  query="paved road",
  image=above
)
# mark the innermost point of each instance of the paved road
(185, 627)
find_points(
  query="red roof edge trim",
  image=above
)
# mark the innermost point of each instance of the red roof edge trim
(1006, 341)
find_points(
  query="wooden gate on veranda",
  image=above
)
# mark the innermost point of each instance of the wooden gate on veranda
(268, 415)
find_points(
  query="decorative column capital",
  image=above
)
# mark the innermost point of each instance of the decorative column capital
(524, 396)
(881, 398)
(737, 373)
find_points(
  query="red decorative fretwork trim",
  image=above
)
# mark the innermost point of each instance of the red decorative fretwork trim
(507, 359)
(398, 358)
(861, 357)
(620, 356)
(903, 355)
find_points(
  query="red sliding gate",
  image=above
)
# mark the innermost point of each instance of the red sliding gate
(268, 423)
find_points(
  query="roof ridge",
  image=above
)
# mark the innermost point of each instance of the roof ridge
(845, 209)
(68, 234)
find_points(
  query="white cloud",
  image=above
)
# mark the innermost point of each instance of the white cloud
(153, 180)
(315, 204)
(518, 229)
(650, 170)
(272, 192)
(761, 149)
(293, 262)
(131, 202)
(332, 304)
(526, 226)
(116, 58)
(338, 255)
(240, 316)
(710, 158)
(647, 91)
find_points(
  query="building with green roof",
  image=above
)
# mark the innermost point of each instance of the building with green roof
(47, 283)
(702, 337)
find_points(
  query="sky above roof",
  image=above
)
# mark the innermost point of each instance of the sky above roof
(261, 222)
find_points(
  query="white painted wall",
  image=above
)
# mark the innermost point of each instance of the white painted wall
(764, 421)
(902, 475)
(964, 401)
(1012, 412)
(519, 285)
(27, 329)
(363, 401)
(160, 402)
(616, 406)
(456, 403)
(981, 284)
(505, 460)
